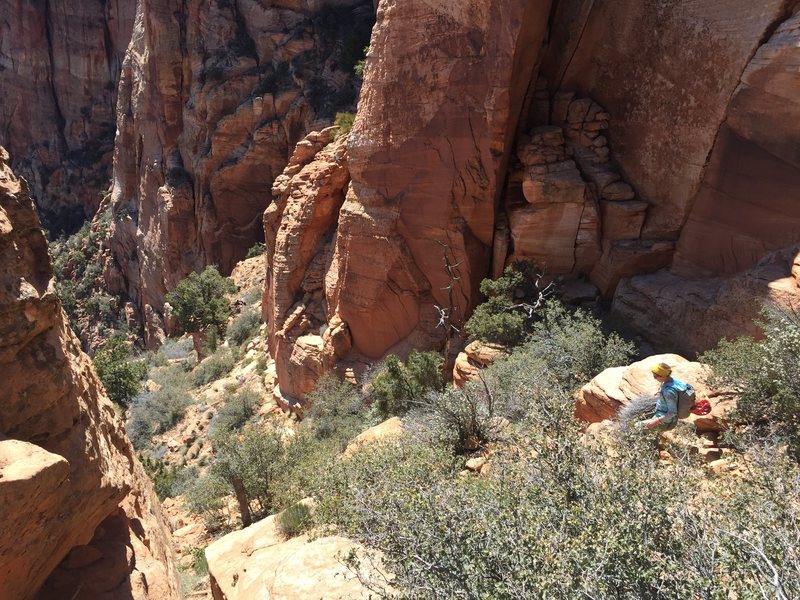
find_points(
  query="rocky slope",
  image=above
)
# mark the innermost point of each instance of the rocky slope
(59, 68)
(213, 97)
(86, 521)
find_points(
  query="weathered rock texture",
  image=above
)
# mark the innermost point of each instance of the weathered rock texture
(702, 104)
(59, 68)
(691, 315)
(583, 153)
(259, 562)
(213, 97)
(427, 154)
(299, 229)
(78, 513)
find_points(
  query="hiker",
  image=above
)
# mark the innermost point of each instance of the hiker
(667, 399)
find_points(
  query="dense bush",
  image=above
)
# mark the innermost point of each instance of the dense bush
(294, 520)
(205, 497)
(214, 367)
(154, 412)
(397, 386)
(256, 250)
(563, 517)
(345, 122)
(336, 410)
(120, 373)
(244, 327)
(764, 375)
(168, 481)
(199, 301)
(574, 346)
(238, 409)
(511, 306)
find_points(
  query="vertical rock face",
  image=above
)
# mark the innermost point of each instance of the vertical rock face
(665, 71)
(747, 204)
(73, 494)
(442, 93)
(299, 227)
(59, 67)
(213, 98)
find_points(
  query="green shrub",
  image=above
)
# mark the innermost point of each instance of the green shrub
(249, 463)
(155, 412)
(563, 518)
(176, 349)
(336, 410)
(764, 375)
(396, 387)
(511, 306)
(205, 497)
(244, 327)
(294, 520)
(199, 301)
(238, 409)
(199, 562)
(256, 250)
(120, 374)
(252, 296)
(168, 481)
(214, 367)
(574, 346)
(344, 121)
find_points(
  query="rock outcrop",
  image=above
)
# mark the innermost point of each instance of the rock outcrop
(260, 562)
(692, 315)
(427, 156)
(212, 100)
(59, 68)
(80, 518)
(299, 228)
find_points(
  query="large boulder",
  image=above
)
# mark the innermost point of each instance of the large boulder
(260, 562)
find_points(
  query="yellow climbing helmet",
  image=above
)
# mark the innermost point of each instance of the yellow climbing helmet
(661, 369)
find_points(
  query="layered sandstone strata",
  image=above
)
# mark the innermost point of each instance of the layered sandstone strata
(59, 68)
(300, 226)
(443, 90)
(79, 516)
(213, 98)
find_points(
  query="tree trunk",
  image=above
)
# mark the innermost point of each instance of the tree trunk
(241, 498)
(199, 343)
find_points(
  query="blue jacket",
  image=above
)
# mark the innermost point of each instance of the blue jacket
(667, 399)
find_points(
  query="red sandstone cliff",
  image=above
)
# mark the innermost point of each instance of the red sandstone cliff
(80, 518)
(629, 120)
(213, 98)
(59, 68)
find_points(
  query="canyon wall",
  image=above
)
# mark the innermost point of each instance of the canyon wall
(590, 137)
(443, 90)
(212, 100)
(80, 517)
(59, 68)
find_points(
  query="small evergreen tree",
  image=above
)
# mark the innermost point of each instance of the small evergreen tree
(510, 309)
(199, 303)
(120, 375)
